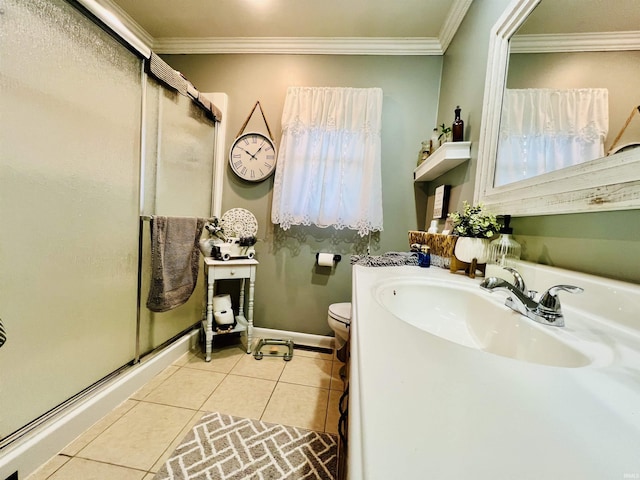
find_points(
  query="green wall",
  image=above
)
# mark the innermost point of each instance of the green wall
(604, 243)
(291, 292)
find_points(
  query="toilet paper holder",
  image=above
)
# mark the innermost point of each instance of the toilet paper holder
(336, 258)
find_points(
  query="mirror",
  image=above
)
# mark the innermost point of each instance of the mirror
(606, 183)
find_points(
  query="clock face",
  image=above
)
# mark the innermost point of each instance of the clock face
(253, 156)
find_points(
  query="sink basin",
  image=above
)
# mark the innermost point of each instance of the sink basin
(471, 318)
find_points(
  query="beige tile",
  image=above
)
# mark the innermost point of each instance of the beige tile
(307, 371)
(138, 438)
(311, 354)
(298, 406)
(149, 476)
(222, 360)
(173, 445)
(241, 396)
(336, 381)
(269, 368)
(154, 382)
(333, 412)
(79, 468)
(98, 427)
(46, 470)
(187, 388)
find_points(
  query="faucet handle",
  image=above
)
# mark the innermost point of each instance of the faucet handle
(550, 301)
(518, 280)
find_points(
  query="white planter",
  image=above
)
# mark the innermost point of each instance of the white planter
(468, 248)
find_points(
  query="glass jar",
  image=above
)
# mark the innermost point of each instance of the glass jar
(504, 250)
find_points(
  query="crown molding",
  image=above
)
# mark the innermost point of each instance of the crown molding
(118, 18)
(575, 42)
(452, 22)
(300, 45)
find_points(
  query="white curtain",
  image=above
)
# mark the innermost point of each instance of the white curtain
(547, 129)
(328, 171)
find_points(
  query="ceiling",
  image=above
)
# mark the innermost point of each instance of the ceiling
(209, 26)
(388, 27)
(583, 16)
(289, 18)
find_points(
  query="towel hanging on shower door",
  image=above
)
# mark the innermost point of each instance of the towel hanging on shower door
(175, 258)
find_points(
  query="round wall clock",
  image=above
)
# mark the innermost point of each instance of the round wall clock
(253, 156)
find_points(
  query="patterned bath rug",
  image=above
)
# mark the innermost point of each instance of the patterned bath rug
(233, 448)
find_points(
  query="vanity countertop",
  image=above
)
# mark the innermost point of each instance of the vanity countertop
(424, 407)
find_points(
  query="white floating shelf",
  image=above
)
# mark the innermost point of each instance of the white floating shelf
(446, 157)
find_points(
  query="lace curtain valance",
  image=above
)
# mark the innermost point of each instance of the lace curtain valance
(329, 163)
(547, 129)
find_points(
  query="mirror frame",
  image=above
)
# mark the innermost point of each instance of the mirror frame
(604, 184)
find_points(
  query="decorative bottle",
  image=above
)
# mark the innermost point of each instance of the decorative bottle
(457, 129)
(424, 256)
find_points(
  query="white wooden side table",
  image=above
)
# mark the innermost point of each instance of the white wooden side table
(243, 269)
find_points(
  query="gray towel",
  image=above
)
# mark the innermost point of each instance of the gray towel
(175, 258)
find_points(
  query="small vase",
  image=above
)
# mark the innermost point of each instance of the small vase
(468, 248)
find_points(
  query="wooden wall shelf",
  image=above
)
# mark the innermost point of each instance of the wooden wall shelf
(446, 157)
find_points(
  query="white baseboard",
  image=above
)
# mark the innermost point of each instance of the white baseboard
(30, 452)
(307, 339)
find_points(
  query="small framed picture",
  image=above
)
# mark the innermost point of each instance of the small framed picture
(441, 203)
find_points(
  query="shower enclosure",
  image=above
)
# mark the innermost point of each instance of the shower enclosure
(88, 143)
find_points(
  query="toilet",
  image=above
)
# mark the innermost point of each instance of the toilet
(339, 319)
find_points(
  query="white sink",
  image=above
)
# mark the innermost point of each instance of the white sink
(439, 366)
(472, 318)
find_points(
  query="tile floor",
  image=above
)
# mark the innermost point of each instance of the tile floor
(135, 439)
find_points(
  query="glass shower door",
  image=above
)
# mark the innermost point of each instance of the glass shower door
(178, 181)
(69, 191)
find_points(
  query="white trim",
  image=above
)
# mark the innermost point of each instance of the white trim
(299, 45)
(298, 338)
(134, 27)
(576, 42)
(495, 82)
(29, 453)
(125, 27)
(452, 22)
(220, 100)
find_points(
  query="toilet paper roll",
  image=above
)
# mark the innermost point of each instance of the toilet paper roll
(223, 318)
(325, 259)
(221, 302)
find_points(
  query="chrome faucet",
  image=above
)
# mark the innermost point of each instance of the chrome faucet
(546, 311)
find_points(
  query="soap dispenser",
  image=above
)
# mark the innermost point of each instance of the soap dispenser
(504, 250)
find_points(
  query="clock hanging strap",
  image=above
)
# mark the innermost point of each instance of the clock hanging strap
(615, 141)
(244, 125)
